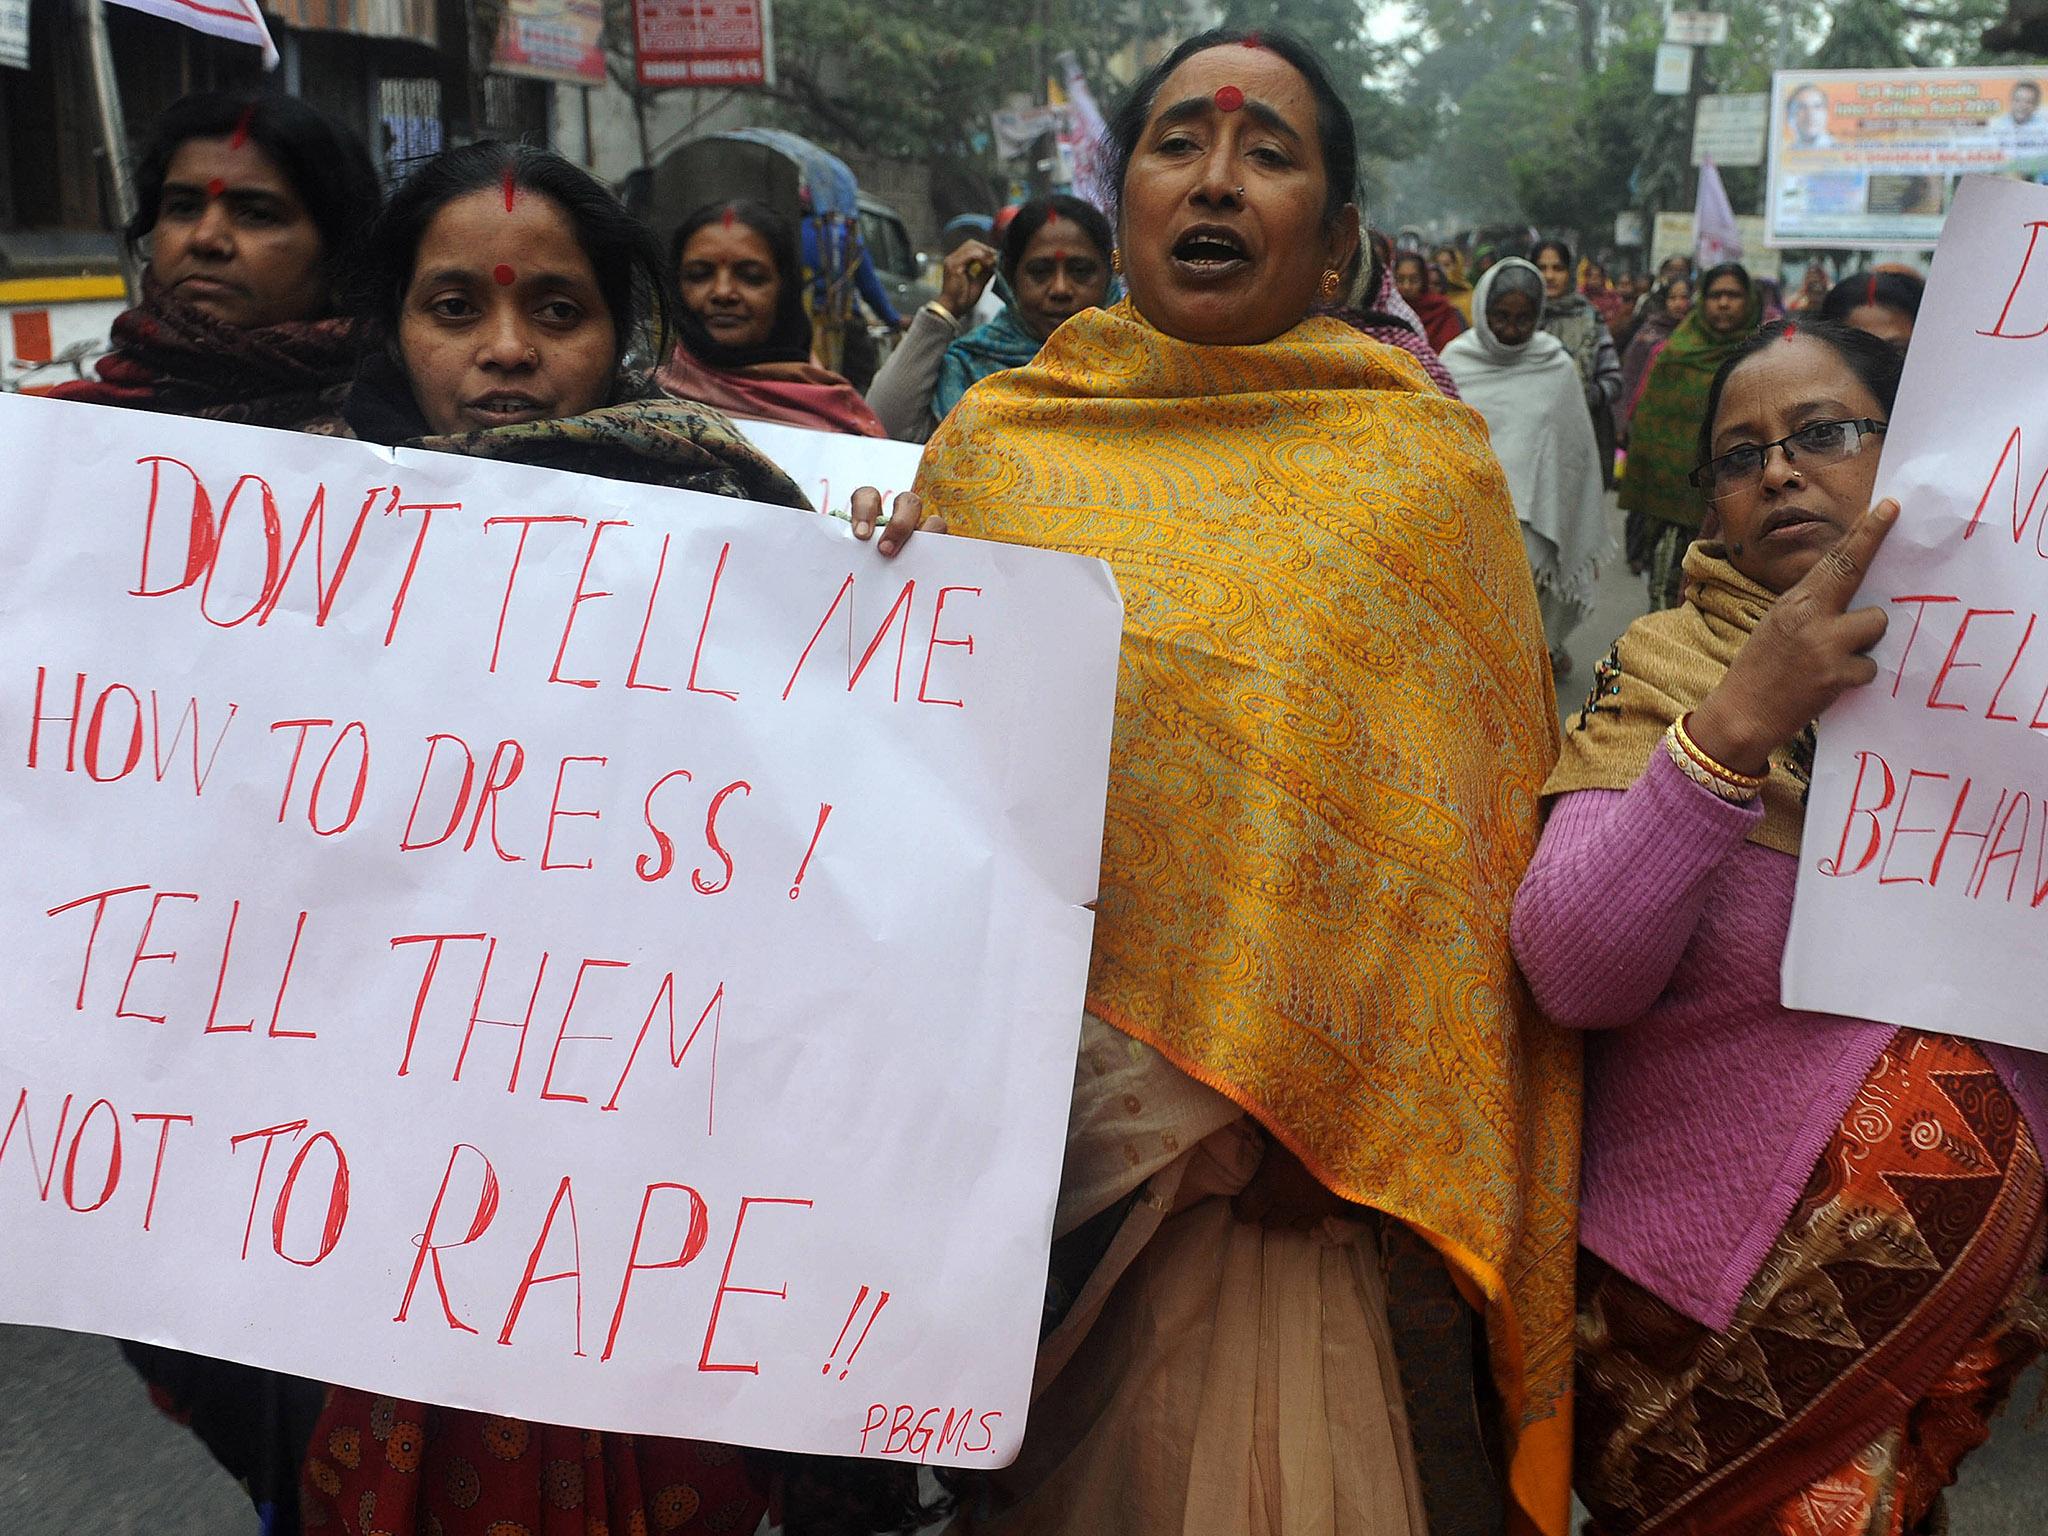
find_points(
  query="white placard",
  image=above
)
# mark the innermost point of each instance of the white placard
(1672, 235)
(1730, 130)
(1696, 29)
(1674, 70)
(1923, 881)
(830, 466)
(469, 822)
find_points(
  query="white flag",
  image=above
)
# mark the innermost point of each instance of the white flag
(1088, 133)
(237, 20)
(1715, 238)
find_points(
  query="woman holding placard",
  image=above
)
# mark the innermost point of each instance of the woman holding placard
(1813, 1246)
(1312, 1267)
(503, 288)
(247, 206)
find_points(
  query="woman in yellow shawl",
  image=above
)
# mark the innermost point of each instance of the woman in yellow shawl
(1317, 1129)
(1450, 261)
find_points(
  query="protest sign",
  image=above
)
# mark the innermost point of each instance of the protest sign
(589, 952)
(1924, 872)
(830, 466)
(1867, 159)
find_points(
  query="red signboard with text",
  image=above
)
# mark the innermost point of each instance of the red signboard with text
(704, 42)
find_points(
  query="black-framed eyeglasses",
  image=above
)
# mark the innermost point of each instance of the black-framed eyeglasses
(1816, 446)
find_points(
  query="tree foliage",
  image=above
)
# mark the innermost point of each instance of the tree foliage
(918, 79)
(1542, 110)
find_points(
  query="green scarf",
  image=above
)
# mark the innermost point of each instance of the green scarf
(1664, 433)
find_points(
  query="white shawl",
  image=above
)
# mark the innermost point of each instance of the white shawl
(1535, 409)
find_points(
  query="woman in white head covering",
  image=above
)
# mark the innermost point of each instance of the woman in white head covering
(1525, 384)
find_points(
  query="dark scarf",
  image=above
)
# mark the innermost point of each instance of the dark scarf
(639, 435)
(169, 357)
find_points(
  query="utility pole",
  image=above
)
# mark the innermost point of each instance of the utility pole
(106, 93)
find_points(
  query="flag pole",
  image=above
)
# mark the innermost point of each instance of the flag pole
(113, 130)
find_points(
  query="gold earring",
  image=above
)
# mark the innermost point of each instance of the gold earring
(1332, 280)
(1116, 260)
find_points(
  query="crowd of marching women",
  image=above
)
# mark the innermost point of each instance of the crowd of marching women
(1439, 1143)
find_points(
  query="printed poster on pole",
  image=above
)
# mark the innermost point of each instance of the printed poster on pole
(559, 40)
(704, 42)
(1674, 70)
(1730, 130)
(1696, 29)
(1869, 159)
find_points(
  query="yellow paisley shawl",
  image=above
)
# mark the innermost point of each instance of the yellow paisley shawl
(1334, 716)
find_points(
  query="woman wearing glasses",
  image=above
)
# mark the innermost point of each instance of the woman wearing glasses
(1812, 1245)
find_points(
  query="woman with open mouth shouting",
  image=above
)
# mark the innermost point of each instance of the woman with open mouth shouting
(1313, 1112)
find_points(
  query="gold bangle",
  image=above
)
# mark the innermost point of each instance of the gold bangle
(945, 314)
(1752, 782)
(1686, 764)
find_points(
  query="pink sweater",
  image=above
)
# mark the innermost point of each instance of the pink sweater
(1649, 916)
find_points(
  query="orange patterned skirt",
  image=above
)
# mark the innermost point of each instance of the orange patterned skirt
(1889, 1321)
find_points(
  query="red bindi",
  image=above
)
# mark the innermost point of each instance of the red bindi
(504, 275)
(216, 188)
(1229, 99)
(1060, 258)
(511, 187)
(241, 133)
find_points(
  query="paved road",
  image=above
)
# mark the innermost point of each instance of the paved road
(83, 1454)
